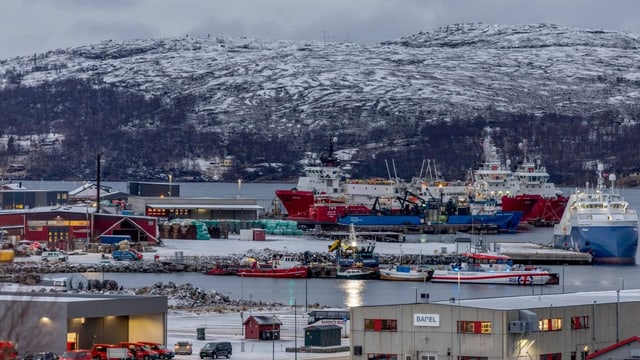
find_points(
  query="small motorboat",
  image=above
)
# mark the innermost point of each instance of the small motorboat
(356, 273)
(406, 273)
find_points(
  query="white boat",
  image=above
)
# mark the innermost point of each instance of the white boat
(356, 273)
(601, 223)
(493, 179)
(405, 273)
(486, 268)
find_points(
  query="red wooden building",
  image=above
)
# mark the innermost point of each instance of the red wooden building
(262, 328)
(62, 226)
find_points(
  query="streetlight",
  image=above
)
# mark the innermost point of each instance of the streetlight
(273, 337)
(295, 328)
(306, 288)
(416, 288)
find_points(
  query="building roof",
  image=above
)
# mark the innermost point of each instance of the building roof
(546, 301)
(265, 320)
(323, 327)
(206, 206)
(613, 347)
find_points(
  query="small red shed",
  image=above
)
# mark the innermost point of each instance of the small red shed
(262, 328)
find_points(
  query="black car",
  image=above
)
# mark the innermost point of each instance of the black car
(43, 355)
(216, 349)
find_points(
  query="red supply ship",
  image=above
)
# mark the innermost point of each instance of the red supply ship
(539, 200)
(322, 197)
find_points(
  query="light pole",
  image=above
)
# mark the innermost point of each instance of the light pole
(416, 288)
(295, 329)
(170, 181)
(306, 288)
(273, 337)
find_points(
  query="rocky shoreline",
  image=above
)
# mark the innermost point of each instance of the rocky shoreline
(200, 264)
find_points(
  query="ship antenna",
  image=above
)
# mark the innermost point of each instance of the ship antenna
(386, 163)
(395, 173)
(599, 170)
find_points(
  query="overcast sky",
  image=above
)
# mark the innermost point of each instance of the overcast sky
(30, 26)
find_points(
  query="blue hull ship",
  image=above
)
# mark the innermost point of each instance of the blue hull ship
(503, 221)
(599, 223)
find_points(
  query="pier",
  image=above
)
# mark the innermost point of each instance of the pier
(529, 254)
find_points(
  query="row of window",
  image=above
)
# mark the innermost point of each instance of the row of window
(480, 327)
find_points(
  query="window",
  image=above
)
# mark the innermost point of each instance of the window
(474, 327)
(580, 322)
(550, 324)
(382, 357)
(380, 325)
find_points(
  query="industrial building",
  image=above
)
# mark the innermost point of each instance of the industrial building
(58, 321)
(561, 326)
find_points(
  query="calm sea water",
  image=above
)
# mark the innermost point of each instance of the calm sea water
(341, 293)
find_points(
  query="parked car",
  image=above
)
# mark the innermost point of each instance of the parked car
(54, 256)
(131, 255)
(42, 355)
(8, 350)
(99, 352)
(140, 351)
(76, 355)
(183, 348)
(216, 349)
(163, 351)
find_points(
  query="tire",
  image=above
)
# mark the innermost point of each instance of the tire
(228, 355)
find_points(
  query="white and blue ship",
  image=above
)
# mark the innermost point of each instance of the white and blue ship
(599, 221)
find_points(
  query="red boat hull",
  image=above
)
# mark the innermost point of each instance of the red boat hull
(220, 271)
(289, 273)
(536, 209)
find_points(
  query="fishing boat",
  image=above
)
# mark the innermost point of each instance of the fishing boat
(220, 269)
(354, 251)
(599, 221)
(406, 273)
(279, 267)
(489, 268)
(356, 273)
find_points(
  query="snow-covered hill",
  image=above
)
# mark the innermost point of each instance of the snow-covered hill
(381, 97)
(460, 69)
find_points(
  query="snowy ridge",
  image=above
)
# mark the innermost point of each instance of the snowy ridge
(463, 69)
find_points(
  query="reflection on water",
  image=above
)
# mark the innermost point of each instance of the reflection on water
(353, 291)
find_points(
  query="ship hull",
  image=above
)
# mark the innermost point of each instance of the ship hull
(296, 203)
(503, 220)
(536, 210)
(290, 273)
(498, 277)
(607, 244)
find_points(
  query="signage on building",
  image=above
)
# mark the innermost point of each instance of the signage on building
(426, 319)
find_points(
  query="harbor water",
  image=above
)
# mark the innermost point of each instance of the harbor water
(344, 293)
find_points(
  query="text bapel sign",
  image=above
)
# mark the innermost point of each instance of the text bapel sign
(426, 319)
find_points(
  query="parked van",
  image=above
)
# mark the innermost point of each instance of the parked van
(54, 256)
(163, 351)
(140, 351)
(216, 349)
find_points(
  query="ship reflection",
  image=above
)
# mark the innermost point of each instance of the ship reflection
(353, 291)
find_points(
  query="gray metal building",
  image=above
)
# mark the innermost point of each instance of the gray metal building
(58, 321)
(560, 326)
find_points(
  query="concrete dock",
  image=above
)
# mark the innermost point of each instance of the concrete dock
(530, 253)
